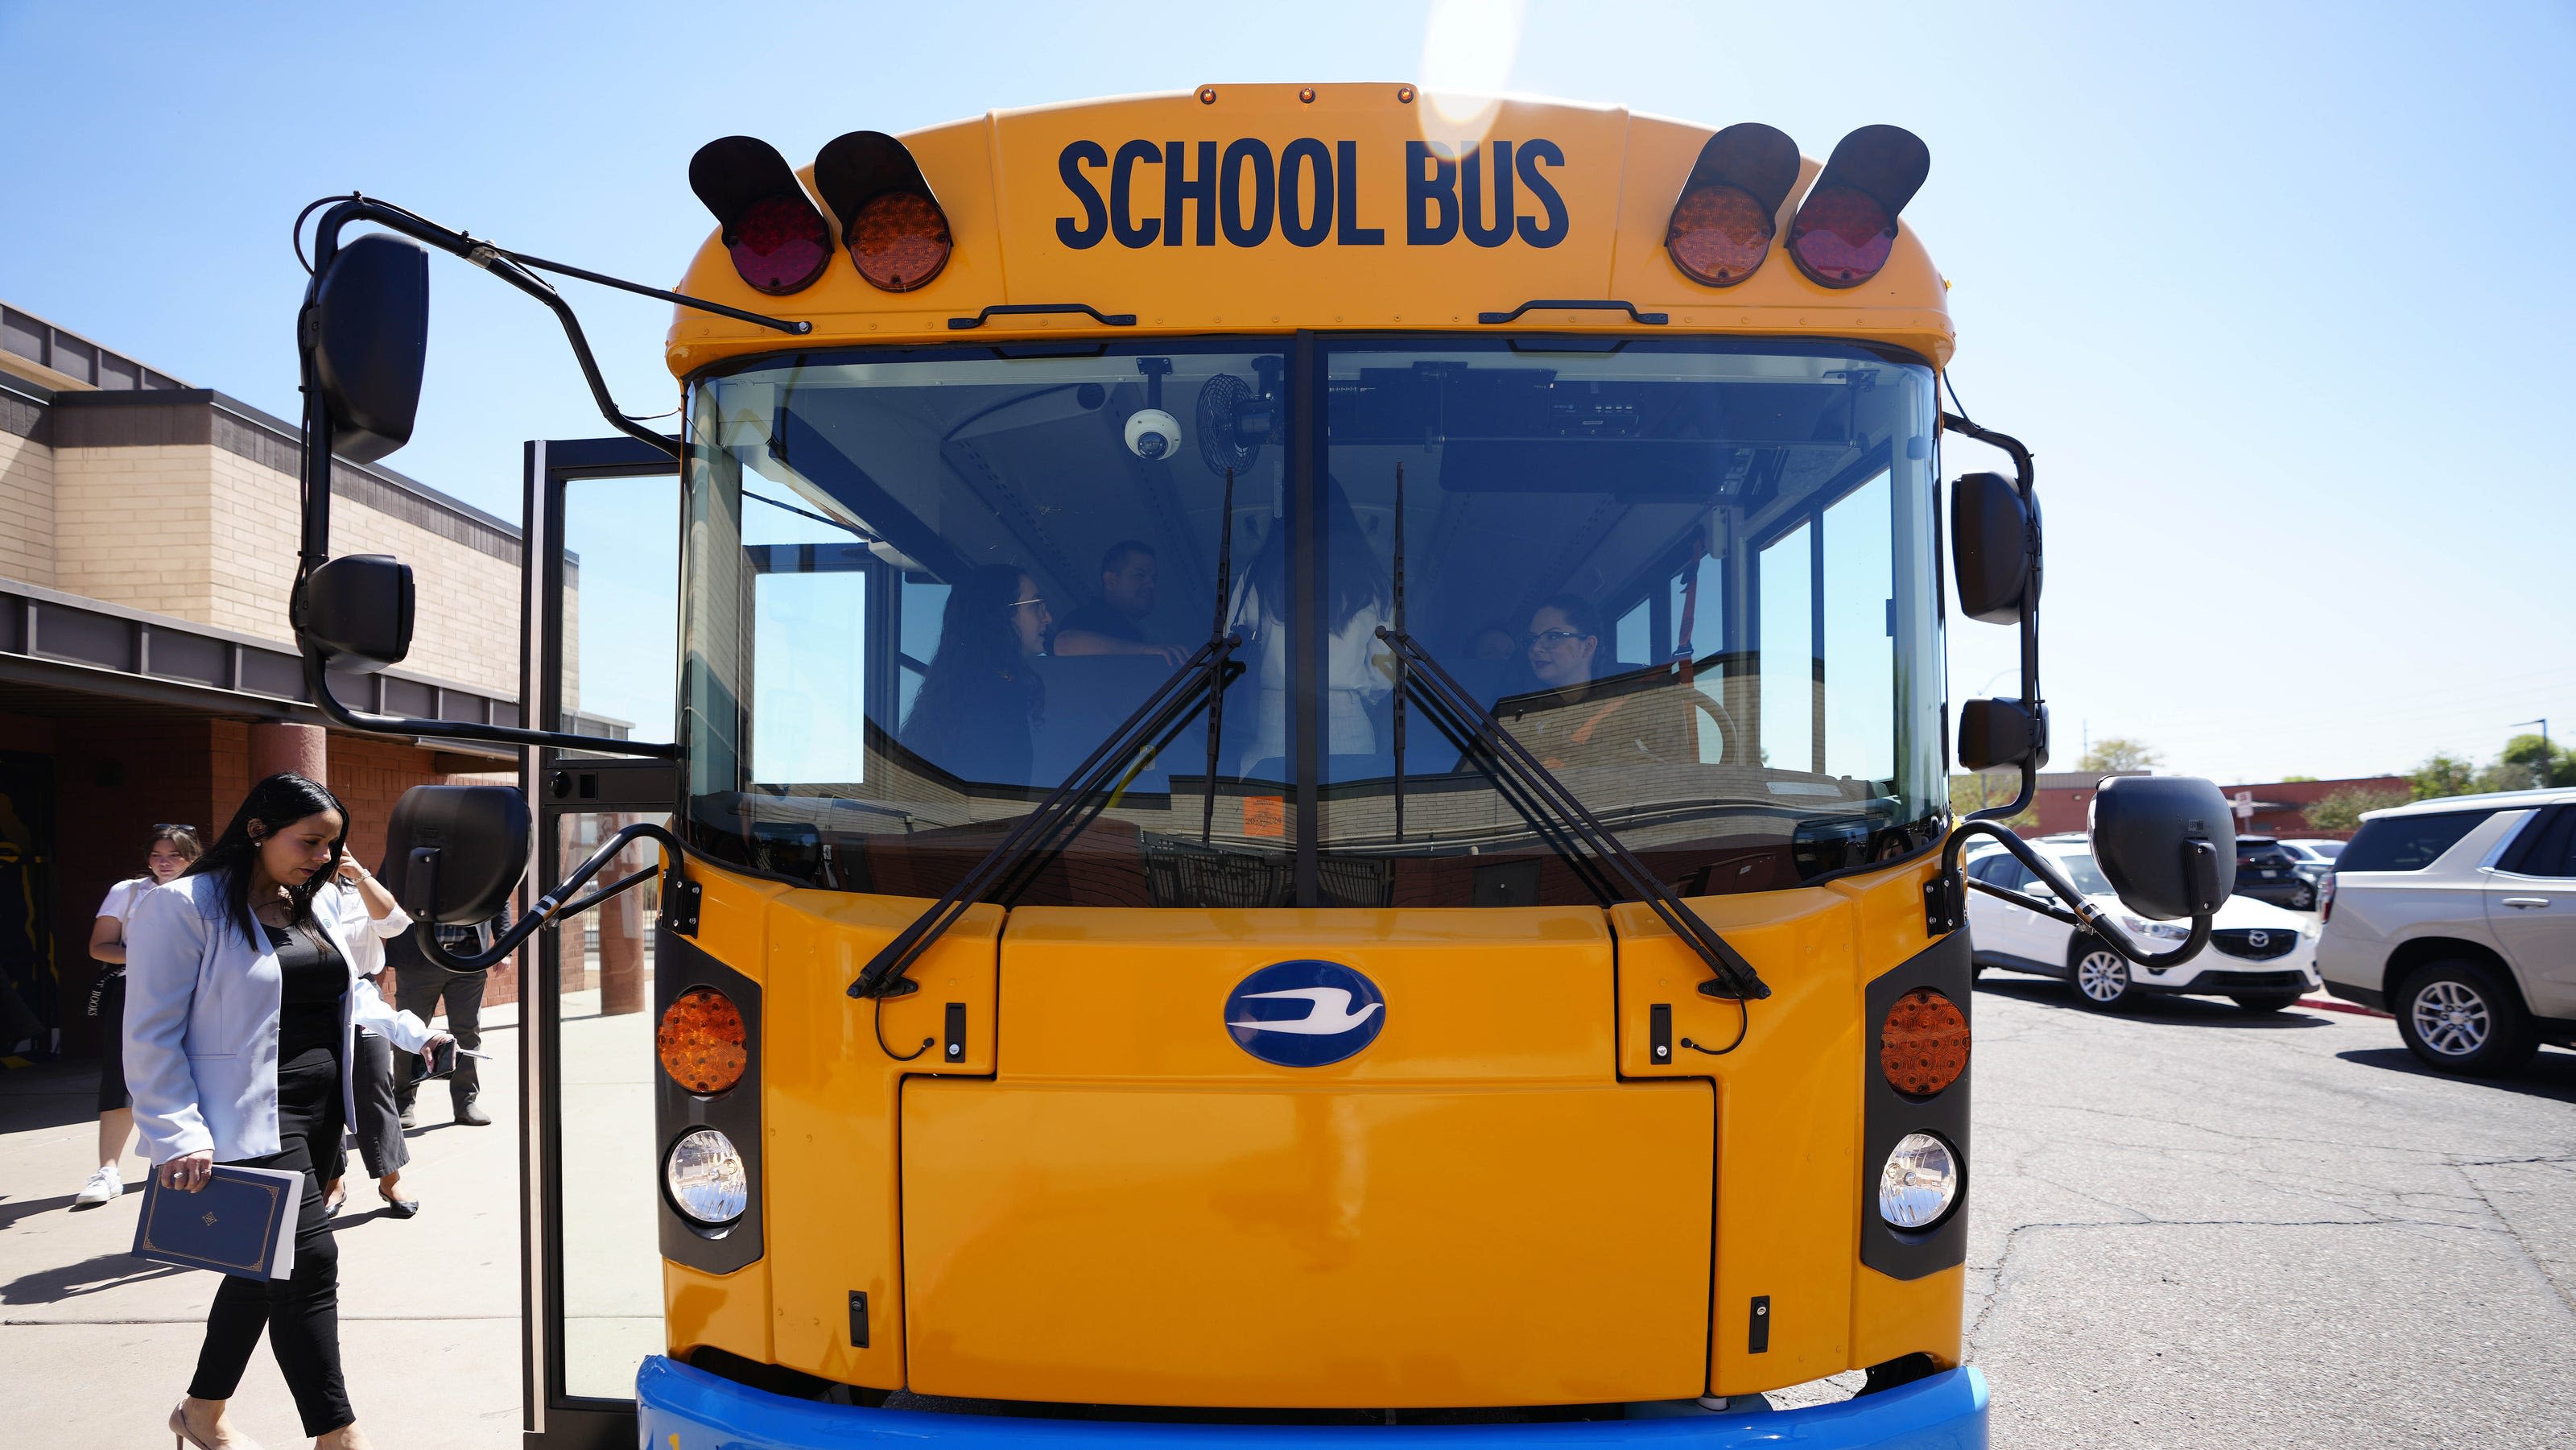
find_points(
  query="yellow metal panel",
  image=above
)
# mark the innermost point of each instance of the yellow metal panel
(1517, 996)
(1335, 1245)
(830, 1110)
(1001, 180)
(1891, 1317)
(1788, 1117)
(728, 1311)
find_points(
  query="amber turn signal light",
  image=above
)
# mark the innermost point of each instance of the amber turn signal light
(1923, 1044)
(894, 227)
(701, 1041)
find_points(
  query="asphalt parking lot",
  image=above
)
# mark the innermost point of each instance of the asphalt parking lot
(2197, 1226)
(2191, 1226)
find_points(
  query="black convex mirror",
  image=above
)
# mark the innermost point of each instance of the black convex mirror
(367, 338)
(2166, 842)
(1994, 548)
(454, 853)
(1997, 733)
(358, 609)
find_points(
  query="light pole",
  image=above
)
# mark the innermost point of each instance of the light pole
(2541, 775)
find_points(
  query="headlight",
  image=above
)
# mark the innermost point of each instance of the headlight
(705, 1176)
(1919, 1183)
(2160, 930)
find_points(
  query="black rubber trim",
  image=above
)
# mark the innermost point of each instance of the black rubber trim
(2377, 1001)
(1887, 1115)
(678, 965)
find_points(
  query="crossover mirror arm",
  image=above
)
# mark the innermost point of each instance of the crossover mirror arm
(421, 883)
(519, 271)
(2071, 906)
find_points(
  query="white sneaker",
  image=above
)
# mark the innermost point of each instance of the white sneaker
(103, 1185)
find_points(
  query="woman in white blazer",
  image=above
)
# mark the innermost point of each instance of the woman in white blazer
(243, 997)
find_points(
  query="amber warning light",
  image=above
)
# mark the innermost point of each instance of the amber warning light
(701, 1041)
(1923, 1044)
(1723, 224)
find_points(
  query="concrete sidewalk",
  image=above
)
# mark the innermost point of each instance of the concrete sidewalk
(99, 1344)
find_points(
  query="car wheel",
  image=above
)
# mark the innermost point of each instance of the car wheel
(2271, 1002)
(2304, 899)
(2463, 1017)
(2098, 975)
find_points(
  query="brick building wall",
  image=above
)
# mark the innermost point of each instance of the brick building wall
(26, 509)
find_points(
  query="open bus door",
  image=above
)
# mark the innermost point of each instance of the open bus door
(600, 580)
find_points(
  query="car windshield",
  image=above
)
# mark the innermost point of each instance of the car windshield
(1695, 578)
(2086, 876)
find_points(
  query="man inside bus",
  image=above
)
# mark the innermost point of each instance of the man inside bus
(1112, 622)
(1574, 721)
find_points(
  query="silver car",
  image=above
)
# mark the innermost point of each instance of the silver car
(2459, 916)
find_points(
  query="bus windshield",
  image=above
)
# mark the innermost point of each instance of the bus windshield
(1694, 577)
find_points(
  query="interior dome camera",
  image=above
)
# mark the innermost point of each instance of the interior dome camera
(1152, 433)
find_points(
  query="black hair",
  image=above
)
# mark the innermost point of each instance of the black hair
(272, 805)
(978, 657)
(1580, 615)
(1120, 552)
(1353, 580)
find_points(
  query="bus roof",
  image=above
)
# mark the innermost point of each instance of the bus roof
(1082, 203)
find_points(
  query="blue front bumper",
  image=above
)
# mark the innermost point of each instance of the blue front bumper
(680, 1408)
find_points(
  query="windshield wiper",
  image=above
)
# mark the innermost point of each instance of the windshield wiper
(1115, 760)
(1610, 860)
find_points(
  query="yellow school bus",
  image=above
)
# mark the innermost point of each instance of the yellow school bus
(1309, 785)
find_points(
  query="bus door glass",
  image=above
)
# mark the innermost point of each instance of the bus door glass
(607, 648)
(921, 587)
(1694, 577)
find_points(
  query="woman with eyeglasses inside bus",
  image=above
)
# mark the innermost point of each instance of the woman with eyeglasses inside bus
(245, 997)
(172, 848)
(1576, 720)
(979, 697)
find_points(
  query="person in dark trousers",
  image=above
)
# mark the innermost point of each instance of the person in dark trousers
(242, 998)
(419, 985)
(173, 847)
(373, 1123)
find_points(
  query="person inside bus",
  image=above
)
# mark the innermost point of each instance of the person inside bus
(244, 996)
(979, 697)
(1359, 669)
(1573, 723)
(1113, 622)
(173, 847)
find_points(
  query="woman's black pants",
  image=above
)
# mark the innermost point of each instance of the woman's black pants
(301, 1312)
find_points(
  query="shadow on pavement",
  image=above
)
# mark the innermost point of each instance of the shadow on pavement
(2550, 1075)
(49, 1095)
(90, 1276)
(10, 1213)
(2159, 1009)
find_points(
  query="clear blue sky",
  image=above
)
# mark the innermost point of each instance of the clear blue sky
(2277, 295)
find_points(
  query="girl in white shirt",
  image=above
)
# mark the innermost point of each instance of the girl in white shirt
(1359, 669)
(171, 849)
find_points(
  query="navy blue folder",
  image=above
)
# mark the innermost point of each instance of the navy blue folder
(242, 1222)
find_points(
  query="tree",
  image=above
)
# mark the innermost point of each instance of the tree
(1991, 788)
(2522, 764)
(2119, 753)
(2442, 774)
(2342, 810)
(2297, 779)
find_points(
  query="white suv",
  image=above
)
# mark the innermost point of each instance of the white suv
(2459, 916)
(2258, 954)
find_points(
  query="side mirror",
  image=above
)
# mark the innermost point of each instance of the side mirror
(1994, 547)
(2167, 843)
(2040, 889)
(1995, 733)
(358, 608)
(367, 337)
(454, 853)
